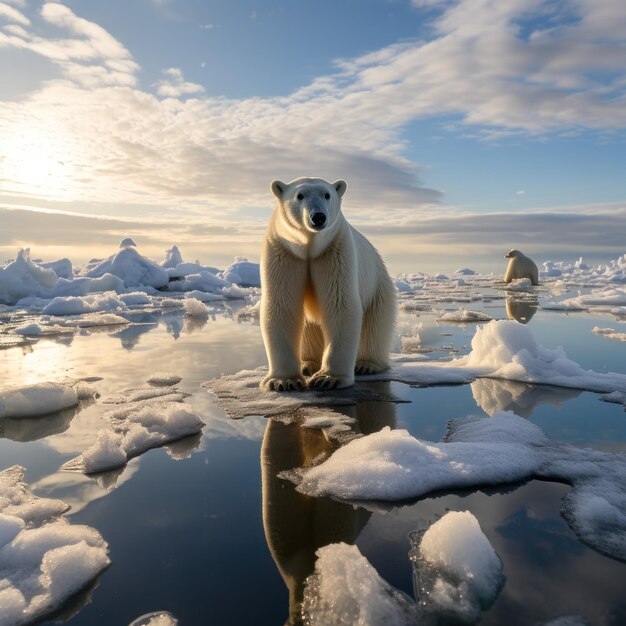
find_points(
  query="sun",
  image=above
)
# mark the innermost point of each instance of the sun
(37, 161)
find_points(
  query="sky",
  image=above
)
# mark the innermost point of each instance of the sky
(464, 128)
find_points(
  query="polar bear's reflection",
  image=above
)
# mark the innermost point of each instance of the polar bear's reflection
(521, 310)
(297, 525)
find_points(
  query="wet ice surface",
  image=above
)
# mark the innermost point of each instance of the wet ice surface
(201, 523)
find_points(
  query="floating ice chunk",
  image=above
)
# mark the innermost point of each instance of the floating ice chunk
(392, 465)
(76, 305)
(94, 319)
(157, 618)
(135, 298)
(464, 316)
(507, 349)
(244, 273)
(164, 379)
(204, 296)
(195, 308)
(252, 311)
(39, 399)
(458, 569)
(133, 268)
(519, 284)
(402, 286)
(201, 281)
(44, 560)
(33, 329)
(346, 590)
(617, 397)
(149, 426)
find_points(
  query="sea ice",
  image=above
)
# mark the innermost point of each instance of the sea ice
(164, 379)
(195, 308)
(391, 465)
(156, 618)
(44, 560)
(135, 430)
(458, 570)
(243, 273)
(346, 590)
(131, 267)
(464, 316)
(457, 573)
(76, 305)
(38, 399)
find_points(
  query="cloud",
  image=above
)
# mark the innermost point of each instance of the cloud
(492, 67)
(13, 15)
(175, 85)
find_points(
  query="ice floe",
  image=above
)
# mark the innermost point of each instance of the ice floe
(464, 316)
(44, 560)
(458, 570)
(195, 308)
(164, 379)
(457, 575)
(391, 465)
(38, 399)
(239, 395)
(148, 419)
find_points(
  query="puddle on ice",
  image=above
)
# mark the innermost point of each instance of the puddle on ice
(205, 529)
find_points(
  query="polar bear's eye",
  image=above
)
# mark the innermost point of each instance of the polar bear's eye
(300, 196)
(327, 196)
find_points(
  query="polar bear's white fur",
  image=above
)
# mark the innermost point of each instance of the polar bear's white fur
(328, 304)
(520, 266)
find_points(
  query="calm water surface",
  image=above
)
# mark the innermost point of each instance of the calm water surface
(203, 528)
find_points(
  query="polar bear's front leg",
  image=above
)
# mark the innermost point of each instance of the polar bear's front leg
(338, 297)
(282, 318)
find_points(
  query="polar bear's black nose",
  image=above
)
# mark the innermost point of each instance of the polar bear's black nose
(318, 219)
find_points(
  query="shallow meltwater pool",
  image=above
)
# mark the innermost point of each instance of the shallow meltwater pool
(209, 528)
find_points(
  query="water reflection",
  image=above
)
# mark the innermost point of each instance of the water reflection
(297, 525)
(33, 428)
(493, 395)
(521, 310)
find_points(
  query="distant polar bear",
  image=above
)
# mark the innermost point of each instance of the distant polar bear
(328, 304)
(520, 266)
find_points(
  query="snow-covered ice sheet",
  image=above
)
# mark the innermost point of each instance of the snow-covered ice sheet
(391, 465)
(38, 399)
(44, 560)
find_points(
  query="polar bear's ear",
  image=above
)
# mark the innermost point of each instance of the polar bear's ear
(278, 188)
(340, 187)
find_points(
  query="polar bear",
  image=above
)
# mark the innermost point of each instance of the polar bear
(328, 304)
(520, 266)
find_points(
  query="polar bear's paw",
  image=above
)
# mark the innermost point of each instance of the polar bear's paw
(362, 368)
(283, 383)
(325, 380)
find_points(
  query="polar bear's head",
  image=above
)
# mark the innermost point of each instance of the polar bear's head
(513, 254)
(309, 204)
